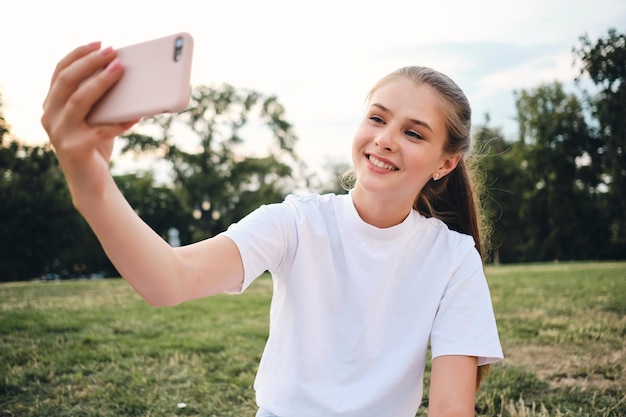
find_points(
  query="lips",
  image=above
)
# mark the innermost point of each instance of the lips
(381, 164)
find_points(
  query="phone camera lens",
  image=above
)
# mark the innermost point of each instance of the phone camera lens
(178, 48)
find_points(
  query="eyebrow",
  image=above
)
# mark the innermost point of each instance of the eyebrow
(414, 121)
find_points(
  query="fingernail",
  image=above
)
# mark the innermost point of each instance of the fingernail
(106, 51)
(94, 45)
(114, 65)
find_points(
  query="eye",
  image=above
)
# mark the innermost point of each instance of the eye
(377, 119)
(414, 134)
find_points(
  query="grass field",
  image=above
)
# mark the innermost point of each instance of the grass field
(93, 348)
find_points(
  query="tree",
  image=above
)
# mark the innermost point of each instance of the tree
(499, 173)
(604, 61)
(41, 231)
(205, 147)
(557, 205)
(4, 127)
(162, 207)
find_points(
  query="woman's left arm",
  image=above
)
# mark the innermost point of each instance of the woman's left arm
(452, 386)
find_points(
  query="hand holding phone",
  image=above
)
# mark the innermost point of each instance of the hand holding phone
(156, 79)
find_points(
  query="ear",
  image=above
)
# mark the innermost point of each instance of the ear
(448, 164)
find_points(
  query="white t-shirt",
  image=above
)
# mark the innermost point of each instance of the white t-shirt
(354, 306)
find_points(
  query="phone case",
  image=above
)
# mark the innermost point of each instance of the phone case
(156, 79)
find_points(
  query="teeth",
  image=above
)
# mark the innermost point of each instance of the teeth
(381, 164)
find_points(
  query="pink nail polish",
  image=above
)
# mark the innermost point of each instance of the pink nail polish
(114, 65)
(106, 51)
(94, 45)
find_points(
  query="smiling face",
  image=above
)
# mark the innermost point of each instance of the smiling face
(398, 147)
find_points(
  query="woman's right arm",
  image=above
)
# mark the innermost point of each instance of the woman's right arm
(162, 275)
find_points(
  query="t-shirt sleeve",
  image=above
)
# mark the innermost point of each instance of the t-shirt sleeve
(264, 238)
(465, 321)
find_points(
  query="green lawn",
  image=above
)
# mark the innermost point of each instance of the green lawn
(93, 348)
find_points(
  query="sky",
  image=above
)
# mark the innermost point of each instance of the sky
(319, 58)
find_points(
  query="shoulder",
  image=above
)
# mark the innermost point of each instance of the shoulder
(311, 204)
(448, 246)
(296, 208)
(441, 233)
(313, 199)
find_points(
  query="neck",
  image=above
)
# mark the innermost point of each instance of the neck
(380, 211)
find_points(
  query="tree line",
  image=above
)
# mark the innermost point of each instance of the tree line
(556, 192)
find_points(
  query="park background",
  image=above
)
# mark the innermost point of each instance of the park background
(554, 192)
(551, 150)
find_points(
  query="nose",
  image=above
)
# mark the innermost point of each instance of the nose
(385, 140)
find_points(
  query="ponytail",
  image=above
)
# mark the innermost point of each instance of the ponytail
(453, 200)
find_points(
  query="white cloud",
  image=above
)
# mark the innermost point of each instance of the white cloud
(543, 69)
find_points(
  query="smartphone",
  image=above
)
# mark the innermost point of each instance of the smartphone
(156, 79)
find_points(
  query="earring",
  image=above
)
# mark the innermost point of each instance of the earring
(436, 176)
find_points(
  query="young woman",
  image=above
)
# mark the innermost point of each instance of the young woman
(363, 282)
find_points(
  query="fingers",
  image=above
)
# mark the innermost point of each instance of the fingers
(79, 80)
(76, 88)
(73, 56)
(70, 58)
(128, 125)
(108, 131)
(82, 77)
(89, 91)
